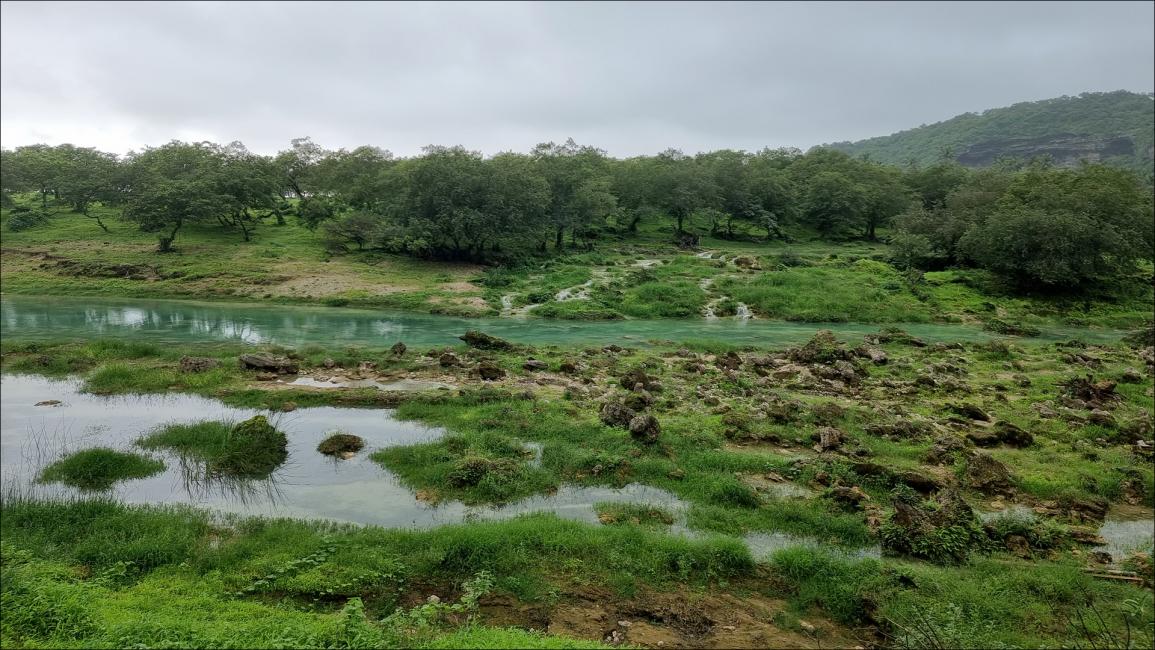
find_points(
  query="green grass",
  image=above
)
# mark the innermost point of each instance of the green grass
(100, 468)
(633, 514)
(249, 449)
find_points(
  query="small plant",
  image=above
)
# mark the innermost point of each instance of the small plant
(341, 443)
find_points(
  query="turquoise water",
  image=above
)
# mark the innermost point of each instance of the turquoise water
(177, 321)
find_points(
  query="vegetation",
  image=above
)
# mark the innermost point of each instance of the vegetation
(1092, 117)
(98, 469)
(249, 449)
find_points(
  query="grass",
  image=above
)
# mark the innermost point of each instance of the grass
(98, 469)
(633, 514)
(808, 280)
(252, 449)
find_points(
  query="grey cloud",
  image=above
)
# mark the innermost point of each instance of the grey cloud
(629, 77)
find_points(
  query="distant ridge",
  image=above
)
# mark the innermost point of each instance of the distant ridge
(1114, 127)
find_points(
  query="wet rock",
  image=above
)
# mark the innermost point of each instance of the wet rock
(645, 428)
(490, 371)
(483, 341)
(197, 364)
(49, 402)
(268, 363)
(534, 365)
(616, 414)
(969, 411)
(613, 349)
(1085, 536)
(449, 360)
(829, 439)
(288, 407)
(986, 475)
(398, 349)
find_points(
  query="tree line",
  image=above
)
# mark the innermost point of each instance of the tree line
(1030, 222)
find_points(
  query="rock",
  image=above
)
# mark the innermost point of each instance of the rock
(449, 360)
(340, 444)
(490, 371)
(1086, 536)
(616, 414)
(655, 386)
(613, 349)
(645, 428)
(925, 381)
(268, 363)
(1100, 557)
(197, 364)
(944, 450)
(986, 475)
(807, 627)
(823, 347)
(1095, 394)
(633, 377)
(970, 411)
(1002, 433)
(877, 356)
(288, 407)
(901, 429)
(919, 481)
(266, 376)
(534, 364)
(829, 438)
(49, 402)
(639, 400)
(788, 371)
(747, 262)
(1102, 418)
(921, 523)
(1131, 376)
(366, 366)
(398, 349)
(850, 498)
(569, 367)
(1018, 546)
(329, 363)
(1045, 411)
(729, 361)
(483, 341)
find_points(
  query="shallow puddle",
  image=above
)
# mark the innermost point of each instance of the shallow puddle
(400, 385)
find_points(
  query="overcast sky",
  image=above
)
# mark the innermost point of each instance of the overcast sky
(629, 78)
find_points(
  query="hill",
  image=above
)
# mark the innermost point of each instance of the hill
(1116, 127)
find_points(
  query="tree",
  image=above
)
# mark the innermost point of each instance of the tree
(579, 185)
(683, 186)
(175, 185)
(835, 204)
(87, 176)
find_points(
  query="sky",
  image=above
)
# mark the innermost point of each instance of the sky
(630, 78)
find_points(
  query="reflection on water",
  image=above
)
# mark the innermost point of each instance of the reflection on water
(25, 317)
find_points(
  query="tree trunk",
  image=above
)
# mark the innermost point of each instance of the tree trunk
(681, 218)
(165, 244)
(557, 242)
(634, 222)
(870, 230)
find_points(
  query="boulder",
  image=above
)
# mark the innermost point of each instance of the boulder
(645, 428)
(268, 363)
(729, 361)
(483, 341)
(823, 347)
(197, 364)
(986, 475)
(1094, 394)
(1102, 418)
(449, 360)
(849, 498)
(616, 414)
(921, 482)
(969, 411)
(829, 439)
(944, 450)
(535, 365)
(877, 356)
(398, 349)
(490, 371)
(916, 527)
(1002, 433)
(634, 377)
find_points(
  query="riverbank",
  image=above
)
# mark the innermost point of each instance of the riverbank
(644, 278)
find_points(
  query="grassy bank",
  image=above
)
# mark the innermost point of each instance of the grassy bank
(643, 276)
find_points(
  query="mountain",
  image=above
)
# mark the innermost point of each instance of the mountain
(1116, 127)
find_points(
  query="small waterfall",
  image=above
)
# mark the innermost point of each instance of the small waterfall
(580, 292)
(506, 305)
(705, 255)
(743, 312)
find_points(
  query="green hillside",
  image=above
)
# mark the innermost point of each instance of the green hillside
(1116, 127)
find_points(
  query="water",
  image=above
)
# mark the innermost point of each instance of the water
(176, 321)
(308, 485)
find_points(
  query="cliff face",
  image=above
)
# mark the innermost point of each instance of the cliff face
(1065, 149)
